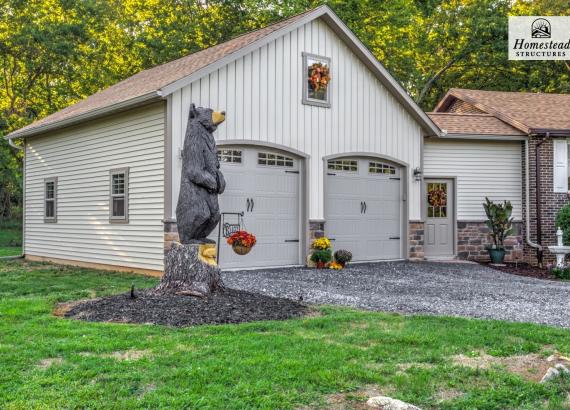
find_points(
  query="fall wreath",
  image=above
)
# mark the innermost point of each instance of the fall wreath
(437, 197)
(319, 76)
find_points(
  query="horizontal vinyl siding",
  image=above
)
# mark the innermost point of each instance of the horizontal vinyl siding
(81, 158)
(262, 92)
(482, 168)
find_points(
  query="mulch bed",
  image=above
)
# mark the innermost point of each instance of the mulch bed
(230, 306)
(523, 269)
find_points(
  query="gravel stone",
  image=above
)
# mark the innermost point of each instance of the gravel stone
(437, 288)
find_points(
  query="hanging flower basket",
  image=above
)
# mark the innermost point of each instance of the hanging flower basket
(242, 242)
(437, 197)
(319, 76)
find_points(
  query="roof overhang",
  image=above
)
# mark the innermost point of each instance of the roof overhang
(484, 137)
(324, 12)
(357, 47)
(90, 115)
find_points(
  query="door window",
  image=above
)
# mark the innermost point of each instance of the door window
(437, 200)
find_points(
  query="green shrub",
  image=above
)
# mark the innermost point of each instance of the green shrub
(563, 221)
(321, 255)
(342, 256)
(562, 273)
(499, 221)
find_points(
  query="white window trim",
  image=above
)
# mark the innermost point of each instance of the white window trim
(560, 165)
(311, 101)
(54, 218)
(125, 218)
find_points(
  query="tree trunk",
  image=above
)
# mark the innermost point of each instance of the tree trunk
(191, 270)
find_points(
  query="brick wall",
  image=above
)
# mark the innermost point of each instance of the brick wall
(550, 201)
(417, 230)
(473, 239)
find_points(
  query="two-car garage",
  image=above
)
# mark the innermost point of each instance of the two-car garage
(363, 206)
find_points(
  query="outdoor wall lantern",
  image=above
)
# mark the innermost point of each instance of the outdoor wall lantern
(418, 174)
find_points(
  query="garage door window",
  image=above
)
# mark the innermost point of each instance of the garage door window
(274, 160)
(381, 168)
(348, 165)
(229, 156)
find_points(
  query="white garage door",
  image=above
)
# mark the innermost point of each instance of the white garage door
(363, 208)
(264, 185)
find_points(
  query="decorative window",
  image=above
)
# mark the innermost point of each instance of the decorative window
(50, 199)
(437, 200)
(381, 168)
(231, 156)
(317, 78)
(119, 195)
(274, 160)
(350, 165)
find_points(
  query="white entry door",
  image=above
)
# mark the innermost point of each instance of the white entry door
(363, 208)
(439, 228)
(264, 185)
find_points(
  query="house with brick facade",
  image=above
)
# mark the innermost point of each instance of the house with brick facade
(507, 146)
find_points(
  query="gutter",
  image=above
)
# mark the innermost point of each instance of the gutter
(11, 143)
(89, 115)
(537, 246)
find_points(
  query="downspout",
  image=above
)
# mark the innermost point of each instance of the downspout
(527, 195)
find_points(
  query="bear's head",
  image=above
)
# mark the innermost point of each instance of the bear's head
(207, 117)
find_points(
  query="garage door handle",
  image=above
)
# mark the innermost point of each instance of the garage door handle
(361, 207)
(365, 206)
(394, 237)
(252, 204)
(247, 202)
(291, 240)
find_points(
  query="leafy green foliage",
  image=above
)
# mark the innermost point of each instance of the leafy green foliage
(499, 221)
(47, 362)
(561, 273)
(563, 222)
(321, 255)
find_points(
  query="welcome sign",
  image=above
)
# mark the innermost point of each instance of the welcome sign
(539, 38)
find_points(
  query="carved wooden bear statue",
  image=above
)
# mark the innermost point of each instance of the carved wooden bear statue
(198, 212)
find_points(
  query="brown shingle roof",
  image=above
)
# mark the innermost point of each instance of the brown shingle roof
(472, 124)
(153, 79)
(529, 112)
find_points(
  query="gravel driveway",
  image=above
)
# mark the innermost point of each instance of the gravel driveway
(456, 289)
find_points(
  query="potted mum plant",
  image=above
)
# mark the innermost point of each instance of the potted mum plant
(342, 257)
(321, 252)
(500, 223)
(242, 242)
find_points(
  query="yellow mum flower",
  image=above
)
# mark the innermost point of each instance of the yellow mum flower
(321, 243)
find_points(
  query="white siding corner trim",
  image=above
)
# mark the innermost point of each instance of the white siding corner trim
(482, 168)
(560, 166)
(81, 158)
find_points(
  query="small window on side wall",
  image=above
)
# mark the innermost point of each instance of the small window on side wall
(119, 195)
(50, 199)
(316, 80)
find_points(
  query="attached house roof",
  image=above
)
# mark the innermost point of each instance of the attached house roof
(472, 124)
(531, 113)
(158, 82)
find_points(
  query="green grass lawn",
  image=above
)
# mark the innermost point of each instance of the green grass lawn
(50, 362)
(10, 238)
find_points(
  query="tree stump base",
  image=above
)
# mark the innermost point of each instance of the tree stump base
(191, 269)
